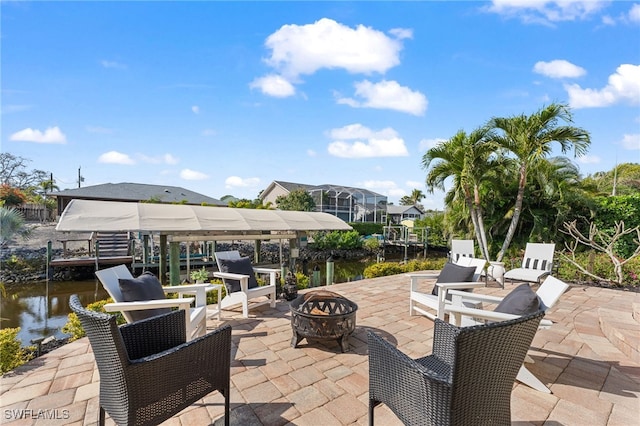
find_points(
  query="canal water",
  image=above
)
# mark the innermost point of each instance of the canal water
(40, 309)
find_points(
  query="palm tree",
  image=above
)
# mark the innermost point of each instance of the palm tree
(469, 160)
(530, 139)
(12, 223)
(413, 199)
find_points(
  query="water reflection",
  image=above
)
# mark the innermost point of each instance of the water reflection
(40, 309)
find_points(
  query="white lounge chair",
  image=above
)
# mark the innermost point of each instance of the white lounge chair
(244, 293)
(461, 248)
(536, 263)
(461, 314)
(419, 301)
(195, 316)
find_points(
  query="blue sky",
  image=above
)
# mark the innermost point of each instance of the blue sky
(225, 97)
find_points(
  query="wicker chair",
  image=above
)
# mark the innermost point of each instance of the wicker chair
(467, 380)
(148, 371)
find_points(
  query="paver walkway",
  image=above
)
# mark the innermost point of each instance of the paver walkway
(592, 380)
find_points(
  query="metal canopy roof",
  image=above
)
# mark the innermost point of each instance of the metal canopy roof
(172, 219)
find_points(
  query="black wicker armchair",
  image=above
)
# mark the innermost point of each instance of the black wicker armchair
(467, 380)
(148, 371)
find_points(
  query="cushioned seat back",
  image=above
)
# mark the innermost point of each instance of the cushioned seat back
(461, 248)
(538, 256)
(109, 278)
(550, 291)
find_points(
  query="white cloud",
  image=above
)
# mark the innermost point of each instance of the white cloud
(558, 68)
(623, 86)
(51, 135)
(427, 144)
(273, 85)
(634, 13)
(238, 182)
(113, 64)
(305, 49)
(387, 95)
(209, 132)
(311, 153)
(413, 184)
(162, 159)
(545, 11)
(608, 20)
(8, 109)
(631, 142)
(383, 143)
(115, 157)
(384, 187)
(589, 159)
(188, 174)
(195, 109)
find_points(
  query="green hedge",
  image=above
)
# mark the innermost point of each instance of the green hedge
(365, 228)
(384, 269)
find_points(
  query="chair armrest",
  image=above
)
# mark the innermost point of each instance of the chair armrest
(244, 279)
(455, 286)
(230, 275)
(182, 303)
(197, 290)
(186, 288)
(265, 270)
(473, 297)
(415, 277)
(387, 363)
(457, 312)
(155, 334)
(209, 354)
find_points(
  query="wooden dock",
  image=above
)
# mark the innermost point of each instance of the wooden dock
(90, 261)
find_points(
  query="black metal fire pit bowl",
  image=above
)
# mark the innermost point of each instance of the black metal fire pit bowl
(323, 315)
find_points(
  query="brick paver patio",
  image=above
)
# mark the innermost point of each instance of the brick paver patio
(589, 359)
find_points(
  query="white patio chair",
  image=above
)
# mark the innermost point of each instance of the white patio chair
(419, 301)
(244, 292)
(461, 248)
(195, 316)
(536, 263)
(461, 314)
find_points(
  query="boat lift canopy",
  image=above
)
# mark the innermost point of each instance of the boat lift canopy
(178, 222)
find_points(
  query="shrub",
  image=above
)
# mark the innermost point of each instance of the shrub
(303, 280)
(74, 327)
(391, 268)
(599, 264)
(371, 244)
(337, 240)
(12, 354)
(367, 228)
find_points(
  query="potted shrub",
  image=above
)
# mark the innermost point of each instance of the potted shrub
(200, 275)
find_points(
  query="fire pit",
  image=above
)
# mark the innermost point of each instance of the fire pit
(322, 315)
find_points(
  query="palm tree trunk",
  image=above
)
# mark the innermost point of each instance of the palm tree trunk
(516, 214)
(482, 239)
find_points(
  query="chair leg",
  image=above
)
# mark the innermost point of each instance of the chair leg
(227, 397)
(372, 405)
(526, 377)
(101, 416)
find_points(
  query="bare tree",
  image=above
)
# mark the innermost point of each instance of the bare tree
(600, 241)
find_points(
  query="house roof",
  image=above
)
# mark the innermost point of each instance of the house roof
(138, 192)
(393, 209)
(291, 186)
(176, 219)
